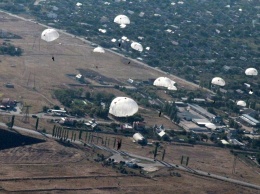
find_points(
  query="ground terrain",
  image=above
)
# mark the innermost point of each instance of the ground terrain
(49, 167)
(33, 168)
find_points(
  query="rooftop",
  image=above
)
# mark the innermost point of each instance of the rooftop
(251, 119)
(201, 121)
(201, 110)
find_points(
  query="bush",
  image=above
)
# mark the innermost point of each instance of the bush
(192, 141)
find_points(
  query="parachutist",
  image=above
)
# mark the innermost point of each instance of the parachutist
(53, 58)
(160, 113)
(119, 143)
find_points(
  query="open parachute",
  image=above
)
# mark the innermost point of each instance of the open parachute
(49, 35)
(122, 20)
(98, 50)
(218, 81)
(241, 103)
(137, 46)
(165, 82)
(251, 71)
(123, 107)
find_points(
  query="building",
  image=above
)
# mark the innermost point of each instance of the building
(248, 120)
(138, 125)
(180, 104)
(91, 124)
(224, 142)
(249, 111)
(236, 142)
(232, 133)
(9, 85)
(186, 115)
(126, 126)
(199, 130)
(199, 100)
(201, 122)
(8, 103)
(131, 81)
(201, 111)
(67, 122)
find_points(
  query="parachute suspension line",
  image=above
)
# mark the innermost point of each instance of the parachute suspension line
(53, 51)
(3, 34)
(95, 56)
(39, 44)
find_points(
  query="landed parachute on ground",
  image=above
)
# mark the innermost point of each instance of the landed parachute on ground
(123, 107)
(137, 46)
(99, 50)
(251, 71)
(241, 103)
(122, 19)
(218, 81)
(49, 35)
(165, 82)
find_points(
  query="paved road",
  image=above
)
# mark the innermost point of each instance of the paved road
(117, 154)
(48, 116)
(183, 80)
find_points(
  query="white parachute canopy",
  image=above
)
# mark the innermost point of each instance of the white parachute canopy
(165, 82)
(123, 107)
(251, 71)
(211, 126)
(241, 103)
(99, 50)
(78, 4)
(122, 25)
(49, 35)
(172, 88)
(218, 81)
(122, 19)
(137, 46)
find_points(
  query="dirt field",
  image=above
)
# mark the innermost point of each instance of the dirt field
(35, 74)
(52, 168)
(210, 159)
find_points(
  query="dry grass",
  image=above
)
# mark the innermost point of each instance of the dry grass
(35, 75)
(52, 168)
(52, 159)
(206, 158)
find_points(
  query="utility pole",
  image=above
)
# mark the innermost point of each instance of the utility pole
(25, 118)
(37, 123)
(234, 164)
(156, 149)
(186, 158)
(163, 155)
(53, 130)
(12, 122)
